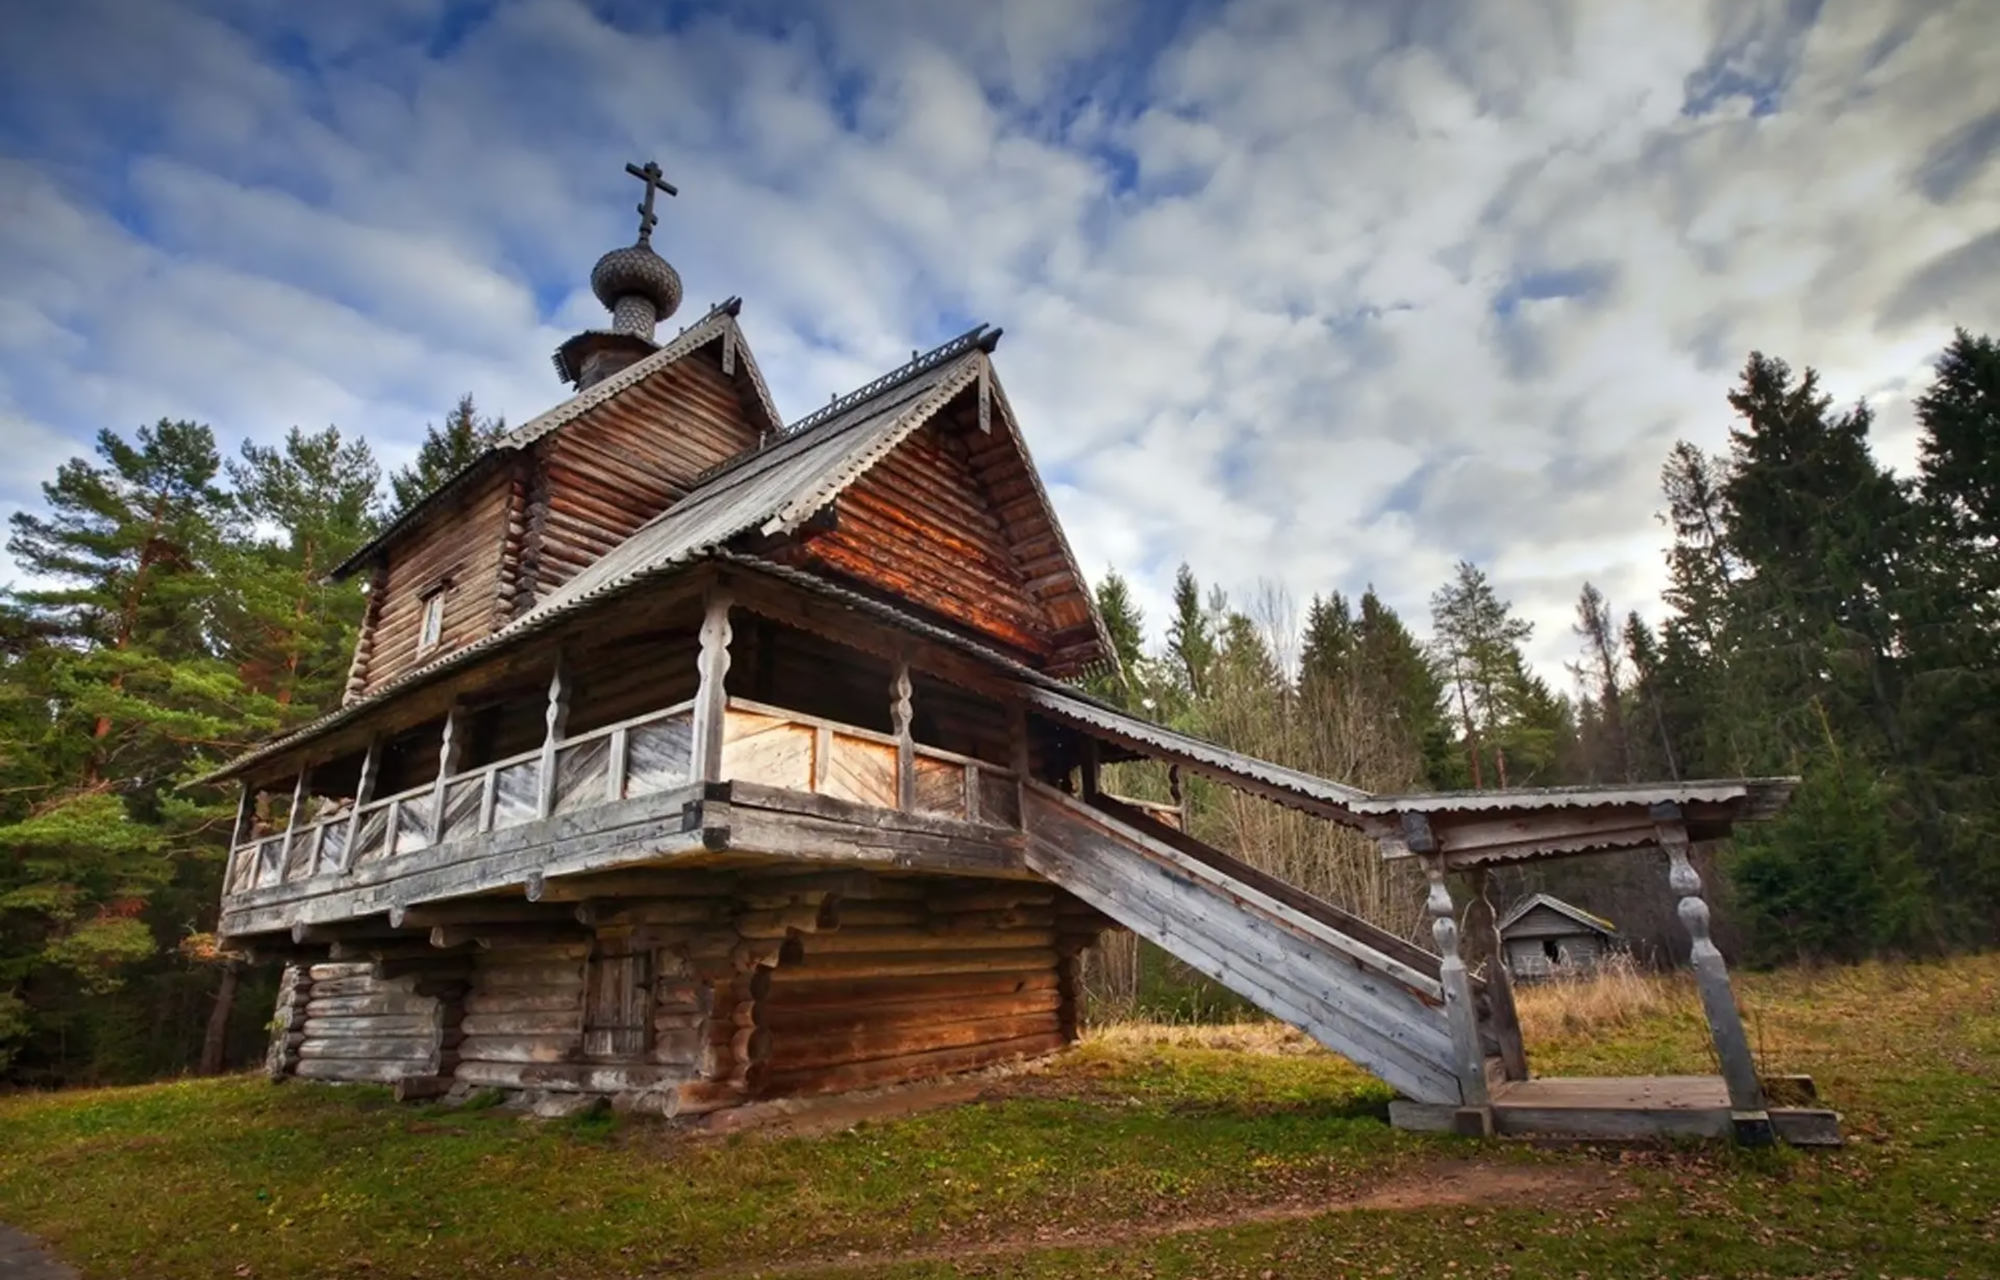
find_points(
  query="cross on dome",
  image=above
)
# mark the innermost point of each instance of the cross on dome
(655, 179)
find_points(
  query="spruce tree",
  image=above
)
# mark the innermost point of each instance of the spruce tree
(445, 452)
(1191, 634)
(1951, 618)
(1608, 748)
(1395, 673)
(1477, 640)
(1126, 625)
(1327, 651)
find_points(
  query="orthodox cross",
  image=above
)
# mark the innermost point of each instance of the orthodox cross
(656, 180)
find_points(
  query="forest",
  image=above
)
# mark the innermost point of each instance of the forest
(1824, 618)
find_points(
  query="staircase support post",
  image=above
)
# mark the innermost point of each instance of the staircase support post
(1506, 1020)
(1475, 1114)
(1718, 1002)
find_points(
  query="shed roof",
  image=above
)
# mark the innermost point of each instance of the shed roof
(1596, 924)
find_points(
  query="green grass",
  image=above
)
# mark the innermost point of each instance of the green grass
(1068, 1172)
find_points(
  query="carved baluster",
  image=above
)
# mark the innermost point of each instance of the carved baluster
(902, 714)
(364, 791)
(1461, 1018)
(1505, 1018)
(450, 747)
(711, 699)
(292, 817)
(557, 718)
(1718, 1002)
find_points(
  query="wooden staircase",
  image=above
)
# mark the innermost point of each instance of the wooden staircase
(1364, 993)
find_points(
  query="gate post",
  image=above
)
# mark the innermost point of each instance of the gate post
(1475, 1111)
(1718, 1002)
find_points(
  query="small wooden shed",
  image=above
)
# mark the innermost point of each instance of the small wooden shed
(1544, 933)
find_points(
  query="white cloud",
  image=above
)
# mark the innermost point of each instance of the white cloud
(1324, 293)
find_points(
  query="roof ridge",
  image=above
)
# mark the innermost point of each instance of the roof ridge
(978, 335)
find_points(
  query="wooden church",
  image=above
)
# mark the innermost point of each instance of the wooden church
(691, 756)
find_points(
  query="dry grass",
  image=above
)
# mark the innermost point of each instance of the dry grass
(1617, 994)
(1260, 1037)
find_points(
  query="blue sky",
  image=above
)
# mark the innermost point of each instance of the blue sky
(1307, 293)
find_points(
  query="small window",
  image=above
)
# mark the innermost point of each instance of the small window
(432, 629)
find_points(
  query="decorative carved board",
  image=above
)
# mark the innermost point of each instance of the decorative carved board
(861, 771)
(999, 799)
(333, 843)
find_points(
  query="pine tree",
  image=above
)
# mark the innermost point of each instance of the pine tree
(130, 539)
(116, 657)
(445, 452)
(1821, 529)
(1959, 453)
(295, 630)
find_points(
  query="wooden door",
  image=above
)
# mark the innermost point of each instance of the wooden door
(617, 1007)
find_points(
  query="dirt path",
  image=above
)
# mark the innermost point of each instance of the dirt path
(22, 1257)
(1446, 1184)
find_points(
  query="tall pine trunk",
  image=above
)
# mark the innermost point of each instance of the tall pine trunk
(215, 1042)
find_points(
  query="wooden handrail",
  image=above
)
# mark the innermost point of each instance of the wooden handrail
(618, 733)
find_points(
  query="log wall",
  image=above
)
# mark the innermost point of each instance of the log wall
(920, 526)
(685, 1002)
(630, 458)
(956, 975)
(358, 1026)
(464, 544)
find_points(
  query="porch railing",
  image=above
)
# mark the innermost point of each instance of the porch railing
(641, 756)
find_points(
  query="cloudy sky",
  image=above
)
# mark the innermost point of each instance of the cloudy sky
(1316, 293)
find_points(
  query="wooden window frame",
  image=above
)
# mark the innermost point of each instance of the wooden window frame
(429, 638)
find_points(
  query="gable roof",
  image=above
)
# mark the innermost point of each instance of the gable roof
(770, 490)
(776, 488)
(719, 325)
(1596, 924)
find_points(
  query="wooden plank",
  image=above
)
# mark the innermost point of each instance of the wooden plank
(765, 750)
(888, 1071)
(827, 1048)
(843, 966)
(795, 835)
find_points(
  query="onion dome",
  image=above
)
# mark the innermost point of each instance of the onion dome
(636, 272)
